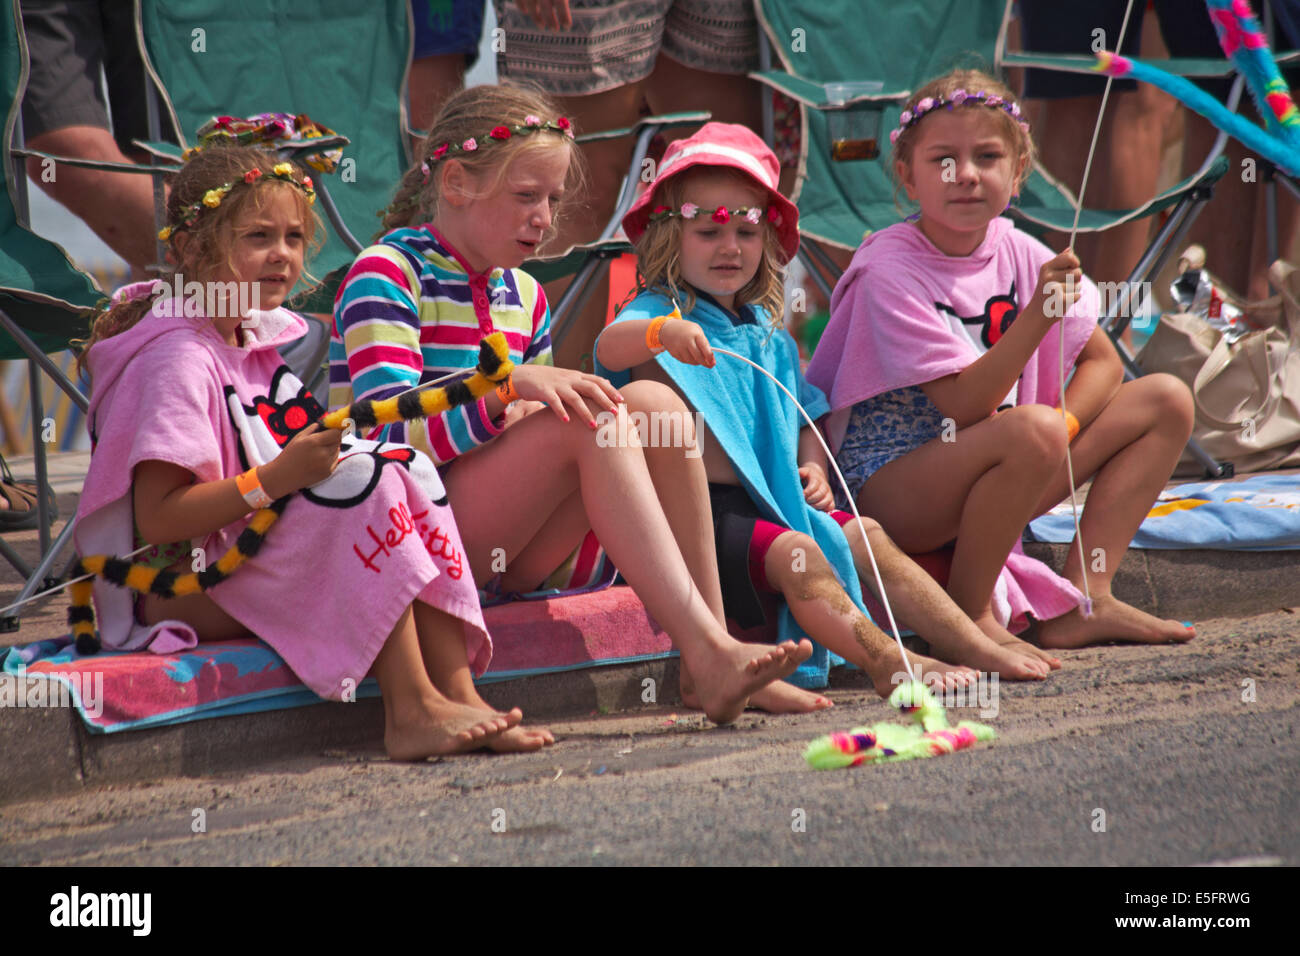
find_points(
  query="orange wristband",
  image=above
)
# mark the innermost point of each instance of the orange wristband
(1071, 423)
(250, 486)
(652, 332)
(506, 390)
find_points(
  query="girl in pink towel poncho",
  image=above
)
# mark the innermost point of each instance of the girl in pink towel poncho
(198, 423)
(941, 361)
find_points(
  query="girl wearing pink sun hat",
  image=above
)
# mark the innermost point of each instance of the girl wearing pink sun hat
(720, 145)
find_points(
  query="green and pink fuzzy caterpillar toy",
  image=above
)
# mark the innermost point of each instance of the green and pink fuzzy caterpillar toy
(930, 736)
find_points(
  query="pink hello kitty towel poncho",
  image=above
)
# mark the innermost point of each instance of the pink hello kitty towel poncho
(348, 555)
(905, 313)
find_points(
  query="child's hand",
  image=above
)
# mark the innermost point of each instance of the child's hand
(1060, 284)
(816, 489)
(309, 458)
(561, 387)
(518, 411)
(686, 342)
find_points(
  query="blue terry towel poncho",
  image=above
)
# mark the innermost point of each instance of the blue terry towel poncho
(758, 427)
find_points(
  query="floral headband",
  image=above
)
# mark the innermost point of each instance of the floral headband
(911, 117)
(688, 210)
(531, 124)
(212, 198)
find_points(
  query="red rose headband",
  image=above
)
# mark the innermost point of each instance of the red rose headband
(688, 210)
(531, 124)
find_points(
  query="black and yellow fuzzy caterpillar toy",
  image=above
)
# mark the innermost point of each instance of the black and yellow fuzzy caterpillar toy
(493, 366)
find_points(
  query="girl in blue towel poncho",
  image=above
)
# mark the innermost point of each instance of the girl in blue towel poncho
(712, 236)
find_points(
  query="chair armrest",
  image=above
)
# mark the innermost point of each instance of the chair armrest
(91, 163)
(663, 121)
(814, 94)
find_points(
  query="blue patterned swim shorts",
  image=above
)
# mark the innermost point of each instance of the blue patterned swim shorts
(882, 429)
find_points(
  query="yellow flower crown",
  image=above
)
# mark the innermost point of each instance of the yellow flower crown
(212, 198)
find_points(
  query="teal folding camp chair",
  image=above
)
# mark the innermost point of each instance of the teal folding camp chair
(44, 302)
(900, 47)
(588, 262)
(342, 63)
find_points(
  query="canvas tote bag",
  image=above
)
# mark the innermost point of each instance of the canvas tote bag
(1247, 392)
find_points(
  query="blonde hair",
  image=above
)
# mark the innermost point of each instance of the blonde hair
(473, 113)
(1018, 140)
(207, 243)
(658, 250)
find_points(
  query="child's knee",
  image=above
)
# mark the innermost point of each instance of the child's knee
(855, 529)
(796, 562)
(648, 396)
(1170, 402)
(1035, 433)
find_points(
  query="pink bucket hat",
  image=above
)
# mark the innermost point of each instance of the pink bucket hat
(733, 146)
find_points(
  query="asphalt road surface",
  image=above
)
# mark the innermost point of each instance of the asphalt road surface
(1127, 756)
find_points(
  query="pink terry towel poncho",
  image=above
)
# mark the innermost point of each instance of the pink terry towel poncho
(348, 555)
(905, 313)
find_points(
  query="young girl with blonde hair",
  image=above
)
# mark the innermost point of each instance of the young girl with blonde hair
(713, 235)
(524, 469)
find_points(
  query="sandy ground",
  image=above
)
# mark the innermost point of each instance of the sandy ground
(1157, 744)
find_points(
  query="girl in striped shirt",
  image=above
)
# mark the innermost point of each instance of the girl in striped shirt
(527, 470)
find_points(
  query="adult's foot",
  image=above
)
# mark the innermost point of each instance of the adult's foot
(887, 672)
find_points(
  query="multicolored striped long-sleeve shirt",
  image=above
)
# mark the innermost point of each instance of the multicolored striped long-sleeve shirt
(409, 311)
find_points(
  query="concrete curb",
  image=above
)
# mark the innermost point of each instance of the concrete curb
(48, 751)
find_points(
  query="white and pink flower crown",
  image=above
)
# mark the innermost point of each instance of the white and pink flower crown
(688, 210)
(531, 124)
(911, 117)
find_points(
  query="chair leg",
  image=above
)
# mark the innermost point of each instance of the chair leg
(813, 256)
(12, 556)
(38, 453)
(36, 581)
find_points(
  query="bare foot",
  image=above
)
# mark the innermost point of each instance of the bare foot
(1112, 620)
(777, 697)
(447, 727)
(520, 740)
(725, 677)
(969, 645)
(1033, 659)
(884, 671)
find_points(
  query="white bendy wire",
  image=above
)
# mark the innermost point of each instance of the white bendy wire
(1074, 230)
(884, 598)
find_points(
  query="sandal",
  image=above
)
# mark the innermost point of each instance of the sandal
(22, 513)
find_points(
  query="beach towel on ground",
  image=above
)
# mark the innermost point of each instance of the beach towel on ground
(1258, 513)
(349, 554)
(758, 427)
